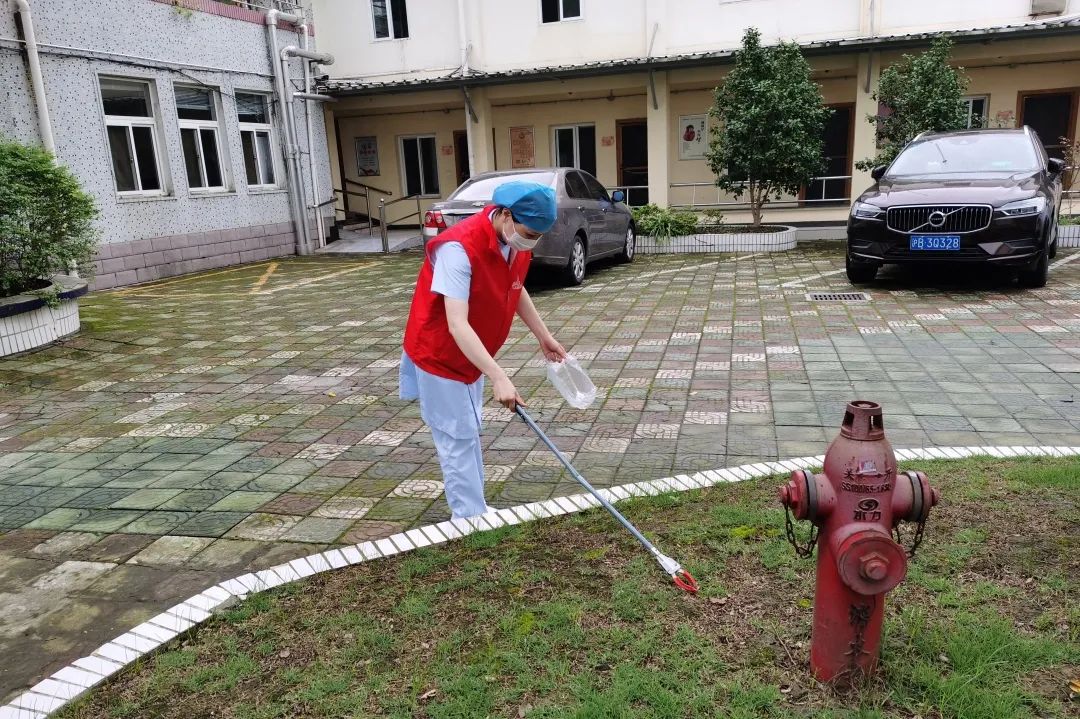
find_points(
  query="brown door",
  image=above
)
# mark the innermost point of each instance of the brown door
(1052, 114)
(461, 156)
(838, 149)
(633, 154)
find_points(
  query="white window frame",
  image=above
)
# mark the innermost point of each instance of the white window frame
(222, 150)
(401, 159)
(128, 122)
(969, 102)
(577, 142)
(389, 23)
(255, 128)
(579, 16)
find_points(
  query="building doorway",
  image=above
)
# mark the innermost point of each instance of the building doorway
(835, 183)
(632, 137)
(461, 156)
(1052, 114)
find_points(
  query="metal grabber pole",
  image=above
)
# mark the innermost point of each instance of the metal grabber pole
(682, 578)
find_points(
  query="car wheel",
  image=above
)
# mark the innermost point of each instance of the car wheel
(1037, 275)
(860, 272)
(629, 245)
(1054, 247)
(574, 274)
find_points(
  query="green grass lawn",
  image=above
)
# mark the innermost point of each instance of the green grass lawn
(568, 618)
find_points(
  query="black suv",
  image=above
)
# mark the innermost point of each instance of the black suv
(971, 196)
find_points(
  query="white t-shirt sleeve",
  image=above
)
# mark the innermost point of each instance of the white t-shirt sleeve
(453, 272)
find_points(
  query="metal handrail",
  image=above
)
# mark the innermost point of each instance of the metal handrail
(626, 191)
(694, 204)
(383, 204)
(369, 187)
(366, 194)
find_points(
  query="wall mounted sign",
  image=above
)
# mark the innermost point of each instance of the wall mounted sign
(607, 140)
(448, 149)
(367, 156)
(522, 148)
(693, 136)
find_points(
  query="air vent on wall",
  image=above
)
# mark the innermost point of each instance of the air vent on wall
(1048, 7)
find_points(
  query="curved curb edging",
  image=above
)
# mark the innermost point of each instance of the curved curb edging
(64, 686)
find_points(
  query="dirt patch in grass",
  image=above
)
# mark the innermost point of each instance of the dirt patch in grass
(568, 618)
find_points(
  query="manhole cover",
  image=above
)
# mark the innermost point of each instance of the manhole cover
(838, 297)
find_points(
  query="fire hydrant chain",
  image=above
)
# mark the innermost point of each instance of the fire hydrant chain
(789, 529)
(916, 541)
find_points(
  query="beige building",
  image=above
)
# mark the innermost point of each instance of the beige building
(429, 93)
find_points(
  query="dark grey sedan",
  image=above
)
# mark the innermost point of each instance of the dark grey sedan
(590, 224)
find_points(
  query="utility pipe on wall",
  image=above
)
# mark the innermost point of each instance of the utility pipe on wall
(292, 178)
(312, 169)
(36, 79)
(286, 54)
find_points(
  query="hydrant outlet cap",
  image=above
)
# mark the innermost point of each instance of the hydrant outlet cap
(871, 563)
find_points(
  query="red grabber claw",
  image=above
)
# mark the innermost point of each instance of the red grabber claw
(685, 581)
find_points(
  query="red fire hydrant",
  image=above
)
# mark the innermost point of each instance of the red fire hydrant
(857, 502)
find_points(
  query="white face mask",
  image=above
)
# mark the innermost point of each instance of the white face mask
(516, 241)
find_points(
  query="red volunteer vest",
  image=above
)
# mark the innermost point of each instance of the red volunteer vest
(493, 298)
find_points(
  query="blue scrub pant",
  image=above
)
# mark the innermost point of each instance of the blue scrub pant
(452, 410)
(463, 473)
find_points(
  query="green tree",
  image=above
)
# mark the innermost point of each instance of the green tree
(768, 138)
(46, 219)
(921, 93)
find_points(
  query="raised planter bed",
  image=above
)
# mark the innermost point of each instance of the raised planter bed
(27, 322)
(1069, 236)
(777, 238)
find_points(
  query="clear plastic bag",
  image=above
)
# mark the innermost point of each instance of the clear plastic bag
(572, 382)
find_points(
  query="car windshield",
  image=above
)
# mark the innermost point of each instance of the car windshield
(482, 188)
(966, 154)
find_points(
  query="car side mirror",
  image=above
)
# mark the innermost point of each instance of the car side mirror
(618, 196)
(1056, 166)
(878, 172)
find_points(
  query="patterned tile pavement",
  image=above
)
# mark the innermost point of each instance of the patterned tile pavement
(220, 417)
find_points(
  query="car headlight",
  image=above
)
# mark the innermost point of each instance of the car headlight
(864, 211)
(1022, 208)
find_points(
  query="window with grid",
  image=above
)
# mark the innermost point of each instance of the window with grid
(420, 167)
(131, 128)
(198, 116)
(391, 19)
(556, 10)
(256, 138)
(575, 146)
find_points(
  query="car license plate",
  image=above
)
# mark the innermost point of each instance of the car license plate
(935, 242)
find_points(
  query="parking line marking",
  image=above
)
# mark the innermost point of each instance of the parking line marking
(185, 278)
(265, 276)
(1063, 260)
(310, 280)
(804, 280)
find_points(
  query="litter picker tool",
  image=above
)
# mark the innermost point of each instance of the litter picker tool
(682, 578)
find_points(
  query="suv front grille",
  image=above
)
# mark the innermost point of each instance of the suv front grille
(957, 218)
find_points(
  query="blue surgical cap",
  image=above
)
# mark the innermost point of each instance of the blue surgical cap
(531, 203)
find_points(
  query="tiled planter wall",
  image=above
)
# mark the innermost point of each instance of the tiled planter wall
(38, 327)
(1069, 236)
(709, 242)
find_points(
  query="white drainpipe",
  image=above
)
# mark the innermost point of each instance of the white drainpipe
(292, 175)
(290, 128)
(44, 122)
(312, 169)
